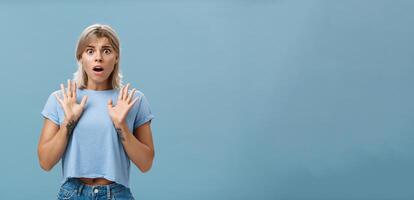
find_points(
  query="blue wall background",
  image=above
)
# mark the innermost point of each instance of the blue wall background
(253, 99)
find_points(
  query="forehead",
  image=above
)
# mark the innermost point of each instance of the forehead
(98, 42)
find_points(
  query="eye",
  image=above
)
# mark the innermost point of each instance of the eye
(89, 51)
(107, 51)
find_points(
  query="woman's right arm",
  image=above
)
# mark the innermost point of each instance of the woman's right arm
(54, 138)
(52, 143)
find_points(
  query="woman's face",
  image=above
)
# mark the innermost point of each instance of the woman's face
(98, 60)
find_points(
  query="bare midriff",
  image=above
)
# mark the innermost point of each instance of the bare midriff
(95, 181)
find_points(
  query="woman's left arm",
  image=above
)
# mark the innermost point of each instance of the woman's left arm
(139, 146)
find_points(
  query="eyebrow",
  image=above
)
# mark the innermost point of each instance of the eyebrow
(104, 46)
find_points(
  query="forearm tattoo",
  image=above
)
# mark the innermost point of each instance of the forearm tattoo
(70, 126)
(120, 135)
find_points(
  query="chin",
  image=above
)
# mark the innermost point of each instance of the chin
(100, 80)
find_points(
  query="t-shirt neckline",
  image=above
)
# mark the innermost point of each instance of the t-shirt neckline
(97, 91)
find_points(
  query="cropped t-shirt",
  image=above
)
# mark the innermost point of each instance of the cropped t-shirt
(94, 149)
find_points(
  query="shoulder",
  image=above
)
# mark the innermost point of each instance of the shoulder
(53, 94)
(56, 92)
(139, 94)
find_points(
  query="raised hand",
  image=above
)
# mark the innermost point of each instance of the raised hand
(72, 109)
(119, 112)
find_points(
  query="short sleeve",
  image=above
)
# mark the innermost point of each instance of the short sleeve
(144, 113)
(50, 109)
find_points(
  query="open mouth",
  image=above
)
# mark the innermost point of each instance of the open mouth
(97, 69)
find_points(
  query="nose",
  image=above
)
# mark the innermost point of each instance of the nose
(98, 57)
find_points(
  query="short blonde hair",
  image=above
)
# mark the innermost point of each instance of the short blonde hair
(92, 32)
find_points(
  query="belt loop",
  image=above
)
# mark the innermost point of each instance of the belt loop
(80, 189)
(108, 192)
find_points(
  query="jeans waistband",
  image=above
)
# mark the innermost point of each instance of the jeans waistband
(79, 186)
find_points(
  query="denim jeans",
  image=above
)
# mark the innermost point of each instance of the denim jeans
(74, 189)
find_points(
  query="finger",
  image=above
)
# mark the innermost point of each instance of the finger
(131, 94)
(136, 99)
(125, 93)
(74, 88)
(120, 93)
(62, 88)
(83, 102)
(69, 88)
(58, 98)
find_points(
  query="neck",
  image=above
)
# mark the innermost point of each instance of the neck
(98, 86)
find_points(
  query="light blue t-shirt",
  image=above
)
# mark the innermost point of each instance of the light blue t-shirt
(94, 149)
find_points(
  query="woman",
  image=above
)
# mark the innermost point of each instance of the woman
(96, 125)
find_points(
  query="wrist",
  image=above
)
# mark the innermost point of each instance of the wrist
(69, 124)
(122, 130)
(69, 118)
(121, 125)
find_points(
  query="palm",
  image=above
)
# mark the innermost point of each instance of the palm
(119, 112)
(72, 109)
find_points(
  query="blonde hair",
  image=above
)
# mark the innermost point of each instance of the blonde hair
(92, 32)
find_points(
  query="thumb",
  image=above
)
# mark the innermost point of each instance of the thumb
(83, 102)
(110, 103)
